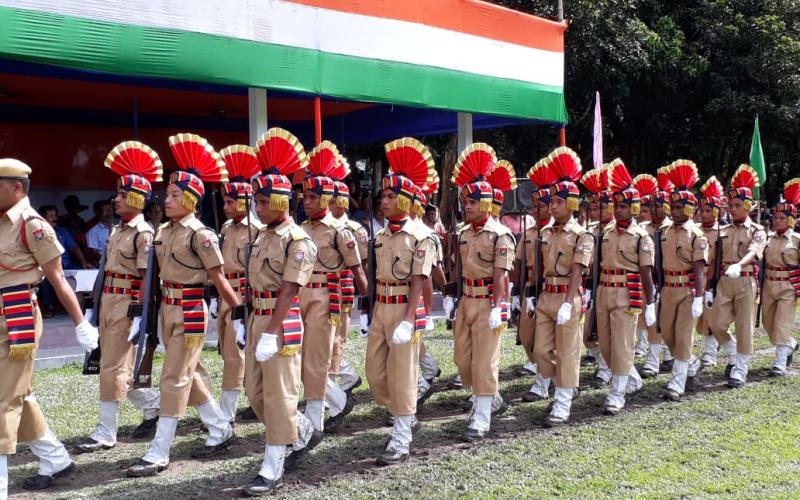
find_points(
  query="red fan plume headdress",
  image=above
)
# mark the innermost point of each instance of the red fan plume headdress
(502, 179)
(647, 185)
(198, 162)
(665, 186)
(411, 168)
(565, 166)
(542, 178)
(744, 180)
(683, 176)
(620, 183)
(325, 167)
(423, 195)
(471, 172)
(596, 181)
(280, 156)
(242, 165)
(712, 192)
(341, 192)
(137, 165)
(791, 198)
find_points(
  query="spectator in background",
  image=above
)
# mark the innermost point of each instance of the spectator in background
(72, 258)
(433, 221)
(97, 236)
(153, 214)
(72, 221)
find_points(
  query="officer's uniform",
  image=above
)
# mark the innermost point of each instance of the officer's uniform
(654, 337)
(780, 294)
(736, 297)
(428, 366)
(619, 301)
(321, 310)
(710, 344)
(26, 243)
(603, 374)
(681, 246)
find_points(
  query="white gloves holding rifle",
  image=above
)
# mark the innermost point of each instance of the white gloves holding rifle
(238, 327)
(734, 271)
(135, 324)
(495, 319)
(564, 313)
(697, 307)
(650, 314)
(402, 334)
(448, 304)
(709, 298)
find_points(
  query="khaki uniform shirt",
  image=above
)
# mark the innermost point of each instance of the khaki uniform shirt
(336, 244)
(127, 247)
(283, 253)
(564, 246)
(739, 239)
(187, 250)
(26, 242)
(490, 247)
(235, 238)
(629, 250)
(361, 234)
(783, 250)
(682, 245)
(711, 236)
(408, 252)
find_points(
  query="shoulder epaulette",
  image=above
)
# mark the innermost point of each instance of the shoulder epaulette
(576, 229)
(698, 231)
(197, 225)
(144, 227)
(380, 232)
(353, 225)
(298, 233)
(164, 225)
(420, 232)
(227, 223)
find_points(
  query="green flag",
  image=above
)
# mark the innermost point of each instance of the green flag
(757, 159)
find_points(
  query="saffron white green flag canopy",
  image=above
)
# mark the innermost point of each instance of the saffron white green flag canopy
(459, 55)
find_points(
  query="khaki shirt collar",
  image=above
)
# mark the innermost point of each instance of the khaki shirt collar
(186, 220)
(135, 221)
(14, 214)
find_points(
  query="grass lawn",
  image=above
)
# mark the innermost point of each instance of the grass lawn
(716, 442)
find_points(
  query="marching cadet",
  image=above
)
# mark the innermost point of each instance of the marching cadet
(710, 205)
(541, 177)
(30, 252)
(743, 244)
(566, 252)
(125, 268)
(782, 279)
(404, 258)
(647, 185)
(625, 279)
(340, 370)
(596, 181)
(658, 206)
(281, 264)
(188, 256)
(487, 253)
(684, 250)
(239, 231)
(320, 299)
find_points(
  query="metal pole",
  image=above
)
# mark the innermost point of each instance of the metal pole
(560, 7)
(317, 119)
(136, 118)
(257, 113)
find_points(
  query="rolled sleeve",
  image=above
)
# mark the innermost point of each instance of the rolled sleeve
(42, 241)
(348, 248)
(424, 256)
(646, 248)
(584, 250)
(207, 245)
(504, 252)
(300, 260)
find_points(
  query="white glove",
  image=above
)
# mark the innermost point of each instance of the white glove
(87, 316)
(213, 307)
(650, 314)
(87, 335)
(238, 327)
(697, 307)
(494, 318)
(564, 313)
(364, 321)
(515, 306)
(734, 271)
(587, 297)
(267, 347)
(402, 334)
(137, 321)
(709, 298)
(448, 304)
(530, 305)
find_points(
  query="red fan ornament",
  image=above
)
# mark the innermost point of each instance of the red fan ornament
(411, 169)
(620, 183)
(242, 165)
(683, 176)
(744, 180)
(664, 186)
(647, 185)
(542, 178)
(137, 165)
(280, 156)
(472, 171)
(565, 166)
(712, 192)
(198, 163)
(325, 167)
(502, 179)
(791, 198)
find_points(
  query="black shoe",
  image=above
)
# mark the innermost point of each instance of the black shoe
(90, 446)
(333, 423)
(735, 383)
(789, 359)
(611, 410)
(215, 450)
(502, 409)
(728, 369)
(147, 429)
(294, 458)
(260, 486)
(40, 482)
(143, 468)
(456, 384)
(532, 397)
(524, 372)
(648, 373)
(354, 386)
(249, 414)
(553, 421)
(597, 382)
(473, 434)
(691, 383)
(425, 395)
(390, 457)
(588, 360)
(671, 395)
(776, 372)
(666, 366)
(439, 371)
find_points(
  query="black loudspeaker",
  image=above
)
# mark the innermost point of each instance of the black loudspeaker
(520, 199)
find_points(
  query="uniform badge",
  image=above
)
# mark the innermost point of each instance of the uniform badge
(299, 255)
(703, 244)
(647, 247)
(758, 237)
(361, 237)
(38, 234)
(502, 251)
(207, 243)
(351, 244)
(420, 252)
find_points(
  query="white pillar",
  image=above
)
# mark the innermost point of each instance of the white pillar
(464, 131)
(257, 113)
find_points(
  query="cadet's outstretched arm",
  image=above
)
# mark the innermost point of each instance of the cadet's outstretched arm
(647, 283)
(216, 275)
(414, 293)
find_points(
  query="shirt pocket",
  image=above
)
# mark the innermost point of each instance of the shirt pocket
(273, 258)
(327, 254)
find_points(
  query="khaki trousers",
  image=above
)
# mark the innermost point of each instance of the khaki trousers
(778, 311)
(117, 353)
(272, 387)
(392, 370)
(527, 331)
(21, 419)
(677, 323)
(232, 356)
(339, 341)
(317, 341)
(477, 347)
(735, 303)
(616, 329)
(558, 347)
(184, 379)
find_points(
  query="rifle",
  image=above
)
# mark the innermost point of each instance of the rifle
(717, 260)
(762, 273)
(659, 272)
(243, 313)
(534, 290)
(523, 273)
(91, 361)
(146, 338)
(366, 304)
(598, 256)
